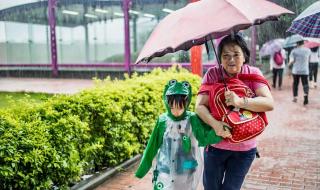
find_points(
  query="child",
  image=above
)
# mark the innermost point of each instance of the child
(174, 141)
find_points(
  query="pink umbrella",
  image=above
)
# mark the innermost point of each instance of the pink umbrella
(310, 44)
(201, 21)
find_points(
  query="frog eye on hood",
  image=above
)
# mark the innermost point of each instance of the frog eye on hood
(172, 82)
(160, 186)
(186, 84)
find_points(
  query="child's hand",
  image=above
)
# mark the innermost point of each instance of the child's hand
(223, 130)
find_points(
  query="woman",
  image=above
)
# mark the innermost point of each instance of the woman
(226, 164)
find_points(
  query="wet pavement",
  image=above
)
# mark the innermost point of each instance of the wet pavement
(289, 149)
(51, 86)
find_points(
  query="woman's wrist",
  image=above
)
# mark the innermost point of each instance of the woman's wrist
(245, 102)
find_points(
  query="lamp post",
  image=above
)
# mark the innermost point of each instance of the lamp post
(52, 4)
(196, 57)
(127, 52)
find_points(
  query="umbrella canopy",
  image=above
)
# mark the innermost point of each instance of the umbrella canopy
(291, 41)
(204, 20)
(310, 44)
(271, 46)
(307, 23)
(312, 39)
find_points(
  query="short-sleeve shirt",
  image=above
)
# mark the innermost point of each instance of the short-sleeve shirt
(213, 75)
(315, 57)
(300, 56)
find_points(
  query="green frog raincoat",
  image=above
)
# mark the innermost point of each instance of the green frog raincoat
(175, 143)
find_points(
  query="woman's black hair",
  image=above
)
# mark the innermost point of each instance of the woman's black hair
(178, 99)
(314, 49)
(237, 39)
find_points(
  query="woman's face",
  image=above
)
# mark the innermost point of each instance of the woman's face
(232, 58)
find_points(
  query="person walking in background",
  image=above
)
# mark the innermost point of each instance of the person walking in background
(313, 67)
(226, 164)
(277, 65)
(299, 59)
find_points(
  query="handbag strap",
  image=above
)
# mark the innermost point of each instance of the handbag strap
(253, 78)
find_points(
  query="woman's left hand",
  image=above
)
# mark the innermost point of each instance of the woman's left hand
(232, 99)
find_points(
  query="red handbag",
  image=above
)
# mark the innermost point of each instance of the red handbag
(244, 124)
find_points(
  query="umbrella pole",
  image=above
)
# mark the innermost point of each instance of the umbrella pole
(207, 49)
(219, 64)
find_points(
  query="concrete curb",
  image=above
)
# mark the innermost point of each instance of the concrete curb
(100, 178)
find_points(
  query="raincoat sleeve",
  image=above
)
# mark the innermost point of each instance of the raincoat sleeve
(204, 134)
(152, 148)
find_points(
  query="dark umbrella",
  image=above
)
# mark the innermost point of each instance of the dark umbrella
(201, 21)
(307, 23)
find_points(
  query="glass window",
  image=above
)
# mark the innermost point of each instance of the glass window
(24, 34)
(144, 18)
(90, 33)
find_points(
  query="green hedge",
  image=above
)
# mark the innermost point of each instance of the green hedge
(54, 143)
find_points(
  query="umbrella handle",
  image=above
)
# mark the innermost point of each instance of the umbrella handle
(207, 49)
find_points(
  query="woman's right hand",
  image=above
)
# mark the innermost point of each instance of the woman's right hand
(223, 130)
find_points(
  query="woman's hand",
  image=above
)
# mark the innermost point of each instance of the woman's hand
(232, 99)
(223, 130)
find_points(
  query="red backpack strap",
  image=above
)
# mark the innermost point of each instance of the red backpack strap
(205, 88)
(254, 78)
(209, 88)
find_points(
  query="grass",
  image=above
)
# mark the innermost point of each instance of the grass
(8, 98)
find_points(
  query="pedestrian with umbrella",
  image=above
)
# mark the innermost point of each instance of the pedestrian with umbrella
(277, 56)
(225, 165)
(299, 59)
(289, 44)
(313, 44)
(277, 64)
(305, 24)
(313, 66)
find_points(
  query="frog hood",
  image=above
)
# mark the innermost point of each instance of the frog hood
(172, 88)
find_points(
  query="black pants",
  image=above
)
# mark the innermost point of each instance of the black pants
(313, 71)
(276, 73)
(304, 80)
(226, 169)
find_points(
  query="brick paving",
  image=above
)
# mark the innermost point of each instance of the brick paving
(289, 148)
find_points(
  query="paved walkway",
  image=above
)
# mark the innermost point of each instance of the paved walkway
(289, 148)
(51, 86)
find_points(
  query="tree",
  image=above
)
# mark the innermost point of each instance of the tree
(277, 29)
